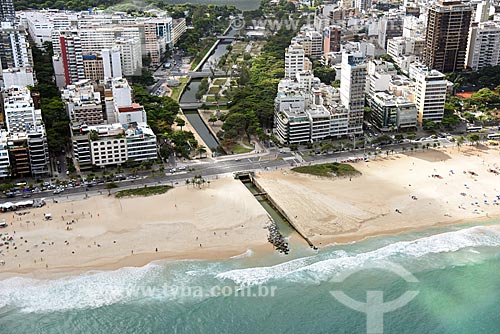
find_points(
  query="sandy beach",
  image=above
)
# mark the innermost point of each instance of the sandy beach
(394, 194)
(217, 221)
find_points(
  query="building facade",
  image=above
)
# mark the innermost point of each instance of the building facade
(446, 37)
(430, 93)
(484, 45)
(352, 89)
(83, 103)
(7, 11)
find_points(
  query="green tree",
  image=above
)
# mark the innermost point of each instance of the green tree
(325, 74)
(474, 138)
(180, 122)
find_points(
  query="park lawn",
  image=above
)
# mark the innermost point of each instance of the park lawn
(145, 191)
(176, 91)
(328, 170)
(214, 90)
(238, 149)
(219, 81)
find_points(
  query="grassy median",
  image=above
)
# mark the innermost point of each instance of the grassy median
(145, 191)
(328, 170)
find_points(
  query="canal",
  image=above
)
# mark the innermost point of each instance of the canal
(195, 120)
(284, 227)
(189, 96)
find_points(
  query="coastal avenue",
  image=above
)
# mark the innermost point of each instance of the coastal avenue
(212, 168)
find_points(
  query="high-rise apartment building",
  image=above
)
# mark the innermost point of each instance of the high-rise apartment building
(26, 138)
(430, 93)
(448, 25)
(69, 59)
(14, 46)
(352, 89)
(112, 64)
(7, 11)
(484, 45)
(331, 39)
(19, 110)
(389, 27)
(363, 5)
(294, 60)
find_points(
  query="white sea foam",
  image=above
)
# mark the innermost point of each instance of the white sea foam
(261, 275)
(89, 290)
(247, 253)
(319, 270)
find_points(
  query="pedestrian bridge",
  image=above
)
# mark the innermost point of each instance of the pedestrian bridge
(201, 74)
(197, 105)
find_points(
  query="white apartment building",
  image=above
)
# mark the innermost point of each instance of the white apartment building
(308, 112)
(295, 60)
(430, 93)
(484, 45)
(14, 47)
(39, 27)
(26, 133)
(41, 24)
(81, 146)
(405, 46)
(116, 143)
(95, 40)
(134, 113)
(19, 110)
(352, 89)
(178, 28)
(4, 155)
(141, 142)
(20, 77)
(363, 5)
(413, 27)
(379, 77)
(108, 145)
(130, 55)
(122, 92)
(112, 63)
(38, 151)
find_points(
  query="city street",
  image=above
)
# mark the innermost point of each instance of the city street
(213, 168)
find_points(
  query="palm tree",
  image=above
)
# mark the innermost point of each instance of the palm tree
(110, 186)
(180, 122)
(460, 141)
(201, 150)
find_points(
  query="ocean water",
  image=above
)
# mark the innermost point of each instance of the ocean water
(455, 271)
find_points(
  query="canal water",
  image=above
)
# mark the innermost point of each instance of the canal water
(195, 120)
(189, 96)
(285, 229)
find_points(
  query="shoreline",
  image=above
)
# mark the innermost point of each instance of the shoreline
(132, 261)
(142, 260)
(223, 219)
